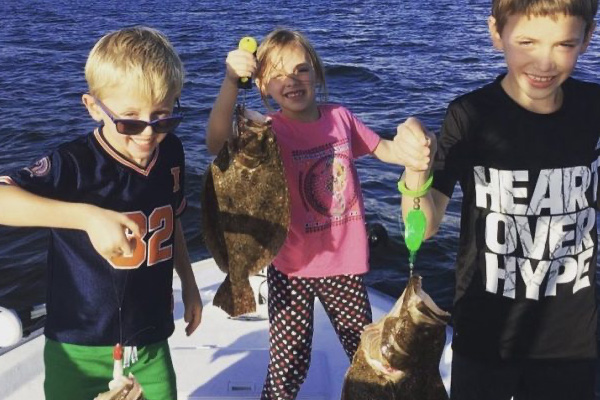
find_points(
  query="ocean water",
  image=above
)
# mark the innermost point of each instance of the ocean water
(385, 60)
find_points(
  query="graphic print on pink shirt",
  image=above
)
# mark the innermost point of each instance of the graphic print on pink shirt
(328, 185)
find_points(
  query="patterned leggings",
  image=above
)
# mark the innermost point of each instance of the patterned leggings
(291, 314)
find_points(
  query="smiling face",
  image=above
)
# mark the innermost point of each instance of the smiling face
(125, 101)
(290, 81)
(541, 53)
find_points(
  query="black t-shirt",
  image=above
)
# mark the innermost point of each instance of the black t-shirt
(526, 263)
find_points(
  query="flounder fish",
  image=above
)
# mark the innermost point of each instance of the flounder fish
(124, 389)
(398, 357)
(246, 209)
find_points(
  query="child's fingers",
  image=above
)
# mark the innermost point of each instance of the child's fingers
(131, 225)
(241, 63)
(412, 145)
(417, 163)
(126, 244)
(193, 317)
(415, 130)
(240, 54)
(123, 248)
(110, 250)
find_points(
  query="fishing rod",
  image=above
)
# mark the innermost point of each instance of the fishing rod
(250, 45)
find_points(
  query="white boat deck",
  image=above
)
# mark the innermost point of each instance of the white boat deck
(225, 358)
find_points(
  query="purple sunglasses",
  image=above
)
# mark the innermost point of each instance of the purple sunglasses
(136, 126)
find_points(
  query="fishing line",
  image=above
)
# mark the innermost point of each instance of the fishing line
(119, 299)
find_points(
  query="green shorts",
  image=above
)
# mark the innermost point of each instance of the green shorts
(76, 372)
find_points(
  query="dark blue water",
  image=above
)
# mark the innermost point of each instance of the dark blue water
(385, 60)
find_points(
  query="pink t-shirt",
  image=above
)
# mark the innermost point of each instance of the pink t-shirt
(327, 234)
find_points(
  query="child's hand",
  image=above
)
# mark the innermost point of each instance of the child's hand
(192, 304)
(240, 64)
(415, 145)
(107, 232)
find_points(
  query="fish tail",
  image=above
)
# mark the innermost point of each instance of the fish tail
(235, 298)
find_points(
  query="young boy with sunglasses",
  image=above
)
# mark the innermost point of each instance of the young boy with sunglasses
(112, 199)
(524, 149)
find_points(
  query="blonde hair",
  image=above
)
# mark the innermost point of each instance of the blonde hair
(140, 55)
(586, 9)
(271, 47)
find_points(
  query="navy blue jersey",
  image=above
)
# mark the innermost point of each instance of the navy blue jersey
(84, 290)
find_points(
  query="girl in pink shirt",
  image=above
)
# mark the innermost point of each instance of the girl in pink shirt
(325, 254)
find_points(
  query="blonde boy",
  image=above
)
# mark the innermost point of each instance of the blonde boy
(112, 199)
(525, 152)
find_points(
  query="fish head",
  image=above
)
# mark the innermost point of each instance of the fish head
(370, 342)
(415, 324)
(254, 137)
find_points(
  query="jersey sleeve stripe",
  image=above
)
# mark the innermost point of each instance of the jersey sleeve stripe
(181, 208)
(7, 180)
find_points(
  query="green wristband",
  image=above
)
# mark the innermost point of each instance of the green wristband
(420, 192)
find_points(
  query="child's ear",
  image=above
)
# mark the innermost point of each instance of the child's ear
(89, 103)
(260, 87)
(588, 38)
(494, 34)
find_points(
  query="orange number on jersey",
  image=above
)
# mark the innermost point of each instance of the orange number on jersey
(160, 226)
(139, 246)
(161, 223)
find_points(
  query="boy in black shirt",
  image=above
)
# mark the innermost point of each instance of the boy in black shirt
(525, 151)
